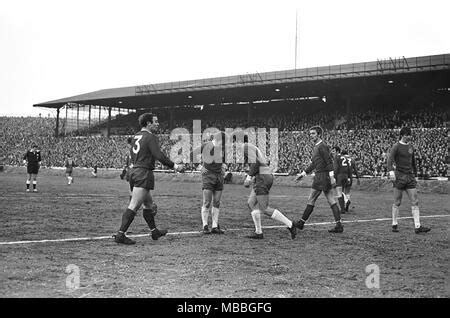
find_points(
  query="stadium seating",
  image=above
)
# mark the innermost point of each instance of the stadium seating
(367, 135)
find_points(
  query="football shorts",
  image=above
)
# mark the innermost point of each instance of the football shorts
(32, 169)
(262, 184)
(142, 178)
(342, 180)
(322, 181)
(404, 181)
(211, 180)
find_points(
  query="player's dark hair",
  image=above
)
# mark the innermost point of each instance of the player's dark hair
(344, 152)
(145, 118)
(318, 129)
(129, 140)
(33, 146)
(405, 131)
(337, 148)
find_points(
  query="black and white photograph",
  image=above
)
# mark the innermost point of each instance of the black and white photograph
(224, 156)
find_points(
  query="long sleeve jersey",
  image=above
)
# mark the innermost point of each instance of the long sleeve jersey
(402, 155)
(321, 159)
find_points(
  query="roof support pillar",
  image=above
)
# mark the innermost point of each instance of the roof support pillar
(109, 123)
(89, 123)
(57, 123)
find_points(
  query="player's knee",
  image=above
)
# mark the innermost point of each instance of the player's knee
(207, 204)
(151, 209)
(216, 204)
(397, 203)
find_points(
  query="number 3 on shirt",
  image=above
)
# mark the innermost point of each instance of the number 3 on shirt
(137, 144)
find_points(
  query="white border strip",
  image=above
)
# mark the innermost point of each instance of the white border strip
(92, 238)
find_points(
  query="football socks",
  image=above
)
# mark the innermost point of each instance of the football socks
(277, 215)
(256, 216)
(127, 218)
(416, 216)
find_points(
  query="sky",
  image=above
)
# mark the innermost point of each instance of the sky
(51, 49)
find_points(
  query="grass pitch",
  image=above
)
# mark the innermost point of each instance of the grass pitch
(186, 263)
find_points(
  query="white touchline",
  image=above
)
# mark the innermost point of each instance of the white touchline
(75, 239)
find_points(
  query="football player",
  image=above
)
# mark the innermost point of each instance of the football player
(32, 159)
(342, 174)
(323, 180)
(212, 169)
(145, 151)
(403, 177)
(353, 171)
(69, 164)
(260, 177)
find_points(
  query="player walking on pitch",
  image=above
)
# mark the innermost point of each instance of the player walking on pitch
(323, 180)
(261, 178)
(32, 159)
(343, 173)
(69, 169)
(353, 170)
(403, 176)
(144, 153)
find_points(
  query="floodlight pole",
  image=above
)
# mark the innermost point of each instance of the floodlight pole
(296, 24)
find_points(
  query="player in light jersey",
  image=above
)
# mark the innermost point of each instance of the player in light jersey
(213, 168)
(69, 164)
(260, 177)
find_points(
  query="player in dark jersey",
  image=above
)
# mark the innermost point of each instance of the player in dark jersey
(69, 164)
(353, 171)
(322, 163)
(32, 159)
(342, 174)
(213, 169)
(261, 178)
(144, 153)
(403, 176)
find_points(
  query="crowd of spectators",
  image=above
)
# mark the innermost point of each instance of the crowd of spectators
(367, 136)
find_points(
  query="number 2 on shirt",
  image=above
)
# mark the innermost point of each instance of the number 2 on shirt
(137, 144)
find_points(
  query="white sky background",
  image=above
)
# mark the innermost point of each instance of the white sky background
(52, 49)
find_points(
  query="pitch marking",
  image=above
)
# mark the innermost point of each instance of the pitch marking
(75, 239)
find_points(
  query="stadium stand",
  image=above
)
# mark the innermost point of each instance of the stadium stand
(367, 135)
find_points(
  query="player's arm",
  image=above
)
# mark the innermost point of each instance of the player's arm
(25, 158)
(391, 161)
(159, 155)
